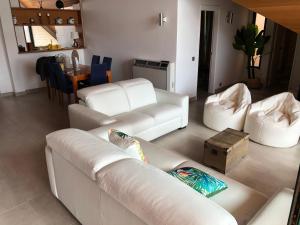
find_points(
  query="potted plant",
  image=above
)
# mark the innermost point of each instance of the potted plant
(252, 43)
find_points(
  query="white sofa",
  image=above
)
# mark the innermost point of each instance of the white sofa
(275, 121)
(227, 109)
(132, 106)
(100, 184)
(276, 211)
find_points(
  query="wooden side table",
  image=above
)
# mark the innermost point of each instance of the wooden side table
(225, 150)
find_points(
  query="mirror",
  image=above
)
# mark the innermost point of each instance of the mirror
(41, 26)
(43, 38)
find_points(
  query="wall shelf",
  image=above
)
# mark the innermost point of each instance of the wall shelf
(45, 17)
(47, 50)
(47, 26)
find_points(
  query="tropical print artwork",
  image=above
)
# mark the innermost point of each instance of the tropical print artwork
(129, 144)
(202, 182)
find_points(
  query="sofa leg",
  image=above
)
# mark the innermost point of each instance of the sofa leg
(181, 128)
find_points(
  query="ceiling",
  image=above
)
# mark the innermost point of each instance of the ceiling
(283, 12)
(47, 4)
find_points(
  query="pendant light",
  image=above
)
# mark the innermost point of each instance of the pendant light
(60, 4)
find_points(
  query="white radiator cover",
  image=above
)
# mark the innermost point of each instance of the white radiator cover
(160, 73)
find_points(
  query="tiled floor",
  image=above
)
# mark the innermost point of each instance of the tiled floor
(25, 197)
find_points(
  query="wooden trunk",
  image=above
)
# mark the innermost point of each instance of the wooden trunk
(225, 150)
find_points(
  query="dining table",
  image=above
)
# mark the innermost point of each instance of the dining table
(82, 73)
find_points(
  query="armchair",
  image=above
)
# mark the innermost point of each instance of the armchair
(275, 121)
(227, 109)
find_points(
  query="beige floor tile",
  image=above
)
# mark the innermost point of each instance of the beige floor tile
(51, 211)
(20, 215)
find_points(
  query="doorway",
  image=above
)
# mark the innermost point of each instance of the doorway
(282, 58)
(205, 50)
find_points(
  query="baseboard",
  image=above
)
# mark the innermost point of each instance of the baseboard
(8, 94)
(21, 93)
(218, 90)
(193, 99)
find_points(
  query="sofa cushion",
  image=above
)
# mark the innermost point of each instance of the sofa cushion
(89, 91)
(132, 122)
(161, 112)
(200, 181)
(160, 157)
(110, 100)
(86, 152)
(127, 143)
(239, 200)
(129, 123)
(158, 198)
(140, 92)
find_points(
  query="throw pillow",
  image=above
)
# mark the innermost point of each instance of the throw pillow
(130, 145)
(199, 180)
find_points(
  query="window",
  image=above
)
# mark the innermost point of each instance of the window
(260, 21)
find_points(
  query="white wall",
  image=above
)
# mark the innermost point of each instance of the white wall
(63, 34)
(229, 62)
(295, 76)
(128, 29)
(22, 66)
(188, 34)
(5, 82)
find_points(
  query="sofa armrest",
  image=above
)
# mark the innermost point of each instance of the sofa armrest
(175, 99)
(50, 169)
(84, 151)
(84, 118)
(276, 211)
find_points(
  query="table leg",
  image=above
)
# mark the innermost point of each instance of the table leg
(75, 89)
(48, 89)
(109, 76)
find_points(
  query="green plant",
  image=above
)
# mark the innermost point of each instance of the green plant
(252, 43)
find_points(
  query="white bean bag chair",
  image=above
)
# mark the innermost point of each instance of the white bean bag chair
(227, 109)
(275, 121)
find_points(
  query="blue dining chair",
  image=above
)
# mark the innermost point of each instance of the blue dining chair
(96, 59)
(108, 62)
(98, 75)
(52, 79)
(65, 86)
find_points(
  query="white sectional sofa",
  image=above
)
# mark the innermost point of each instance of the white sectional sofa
(100, 184)
(132, 106)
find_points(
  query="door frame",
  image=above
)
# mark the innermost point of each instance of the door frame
(274, 54)
(216, 23)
